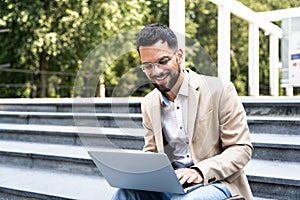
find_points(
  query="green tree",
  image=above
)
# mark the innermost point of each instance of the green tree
(239, 45)
(51, 35)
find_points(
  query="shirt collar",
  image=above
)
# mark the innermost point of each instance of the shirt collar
(183, 90)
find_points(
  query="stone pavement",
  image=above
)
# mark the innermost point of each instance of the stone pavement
(42, 157)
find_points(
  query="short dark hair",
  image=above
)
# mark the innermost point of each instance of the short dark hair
(152, 33)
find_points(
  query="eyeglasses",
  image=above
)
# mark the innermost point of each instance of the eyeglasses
(149, 66)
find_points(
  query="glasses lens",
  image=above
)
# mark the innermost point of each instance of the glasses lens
(147, 66)
(164, 60)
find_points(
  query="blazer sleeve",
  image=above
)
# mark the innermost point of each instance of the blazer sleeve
(149, 138)
(236, 147)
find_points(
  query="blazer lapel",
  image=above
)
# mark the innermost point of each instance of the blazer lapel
(192, 111)
(156, 117)
(198, 83)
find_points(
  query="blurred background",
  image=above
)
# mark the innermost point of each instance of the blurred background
(44, 42)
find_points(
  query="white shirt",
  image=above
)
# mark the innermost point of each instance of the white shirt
(174, 123)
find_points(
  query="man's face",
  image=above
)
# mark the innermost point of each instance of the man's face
(165, 68)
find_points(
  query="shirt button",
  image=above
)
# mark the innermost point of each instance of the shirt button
(187, 156)
(180, 127)
(178, 107)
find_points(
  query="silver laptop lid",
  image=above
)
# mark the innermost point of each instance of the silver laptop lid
(137, 170)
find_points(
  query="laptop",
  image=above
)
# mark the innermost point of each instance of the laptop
(131, 169)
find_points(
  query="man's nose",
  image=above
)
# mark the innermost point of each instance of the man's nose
(158, 69)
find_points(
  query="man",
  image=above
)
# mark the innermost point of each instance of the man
(198, 121)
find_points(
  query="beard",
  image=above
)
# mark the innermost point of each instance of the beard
(167, 87)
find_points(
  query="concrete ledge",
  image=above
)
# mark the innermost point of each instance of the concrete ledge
(275, 136)
(266, 146)
(70, 135)
(277, 172)
(263, 124)
(274, 191)
(270, 99)
(19, 194)
(266, 171)
(130, 120)
(276, 147)
(271, 179)
(276, 140)
(253, 106)
(73, 159)
(274, 125)
(117, 100)
(105, 105)
(41, 184)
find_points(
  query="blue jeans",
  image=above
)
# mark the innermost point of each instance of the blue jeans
(215, 191)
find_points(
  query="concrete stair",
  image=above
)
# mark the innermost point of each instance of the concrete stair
(274, 127)
(42, 156)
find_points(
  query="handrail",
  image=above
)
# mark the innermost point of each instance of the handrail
(256, 21)
(32, 85)
(27, 71)
(249, 15)
(277, 15)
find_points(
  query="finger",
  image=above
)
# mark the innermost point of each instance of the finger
(180, 173)
(192, 179)
(183, 179)
(180, 170)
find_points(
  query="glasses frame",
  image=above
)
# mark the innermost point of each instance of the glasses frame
(156, 63)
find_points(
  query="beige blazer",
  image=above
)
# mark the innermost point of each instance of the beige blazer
(217, 130)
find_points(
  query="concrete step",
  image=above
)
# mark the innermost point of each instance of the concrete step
(129, 120)
(40, 135)
(63, 158)
(276, 147)
(281, 179)
(75, 160)
(22, 183)
(266, 146)
(72, 135)
(66, 158)
(25, 183)
(257, 124)
(274, 106)
(100, 105)
(281, 106)
(274, 179)
(274, 124)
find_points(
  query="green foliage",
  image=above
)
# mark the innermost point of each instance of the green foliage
(59, 36)
(240, 43)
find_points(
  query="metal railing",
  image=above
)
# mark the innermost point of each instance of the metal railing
(58, 84)
(256, 22)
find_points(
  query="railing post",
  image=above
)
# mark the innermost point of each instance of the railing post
(101, 87)
(177, 21)
(32, 88)
(224, 42)
(253, 60)
(274, 62)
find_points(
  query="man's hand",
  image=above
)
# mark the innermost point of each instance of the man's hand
(187, 175)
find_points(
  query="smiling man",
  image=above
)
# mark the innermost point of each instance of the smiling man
(165, 71)
(198, 121)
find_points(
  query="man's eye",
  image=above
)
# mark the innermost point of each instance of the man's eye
(163, 61)
(147, 66)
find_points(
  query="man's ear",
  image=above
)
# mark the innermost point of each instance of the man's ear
(180, 56)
